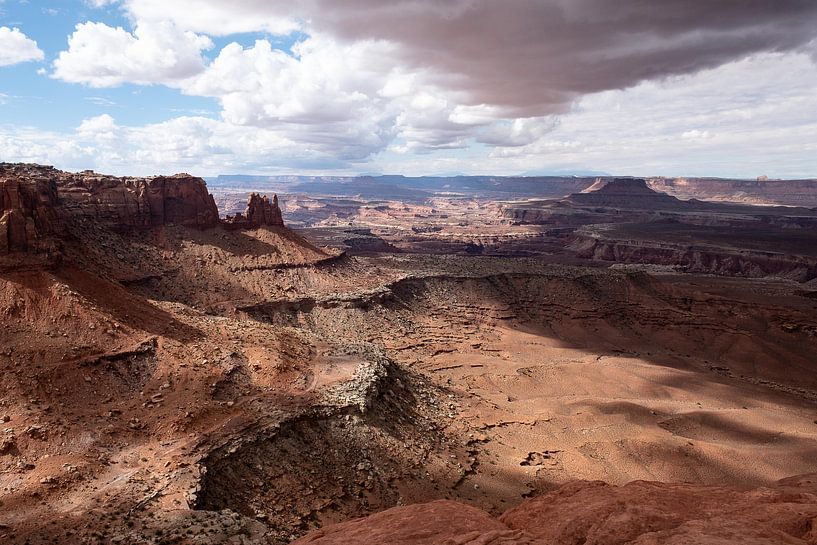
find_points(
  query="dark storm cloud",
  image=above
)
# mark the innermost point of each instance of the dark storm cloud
(535, 57)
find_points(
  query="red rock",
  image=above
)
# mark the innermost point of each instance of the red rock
(139, 202)
(595, 513)
(37, 202)
(27, 211)
(260, 211)
(435, 523)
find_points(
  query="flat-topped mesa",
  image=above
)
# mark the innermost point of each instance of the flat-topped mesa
(38, 202)
(124, 203)
(625, 186)
(625, 193)
(260, 211)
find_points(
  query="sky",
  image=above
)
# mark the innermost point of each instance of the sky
(416, 87)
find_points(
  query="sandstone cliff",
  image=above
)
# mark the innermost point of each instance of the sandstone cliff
(27, 211)
(39, 203)
(703, 258)
(124, 203)
(777, 192)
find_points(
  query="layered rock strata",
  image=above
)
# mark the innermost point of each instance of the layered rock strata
(37, 203)
(27, 212)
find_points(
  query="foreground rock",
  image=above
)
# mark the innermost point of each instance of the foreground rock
(595, 513)
(433, 523)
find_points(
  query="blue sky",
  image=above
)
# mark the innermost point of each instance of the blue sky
(529, 86)
(40, 101)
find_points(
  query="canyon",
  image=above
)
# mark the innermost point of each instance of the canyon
(605, 363)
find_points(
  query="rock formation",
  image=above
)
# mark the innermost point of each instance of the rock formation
(37, 203)
(124, 203)
(260, 211)
(625, 193)
(27, 211)
(433, 523)
(597, 513)
(779, 192)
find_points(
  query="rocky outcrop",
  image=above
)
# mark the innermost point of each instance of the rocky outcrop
(604, 201)
(595, 513)
(260, 211)
(27, 212)
(602, 244)
(126, 203)
(37, 203)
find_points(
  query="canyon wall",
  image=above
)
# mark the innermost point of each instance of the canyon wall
(38, 203)
(782, 192)
(701, 259)
(124, 203)
(27, 212)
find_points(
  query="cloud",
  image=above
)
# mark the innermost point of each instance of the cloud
(182, 144)
(220, 18)
(347, 93)
(589, 83)
(759, 126)
(16, 47)
(519, 132)
(97, 125)
(531, 57)
(99, 55)
(695, 134)
(689, 125)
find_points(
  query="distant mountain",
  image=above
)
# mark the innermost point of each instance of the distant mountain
(406, 187)
(419, 188)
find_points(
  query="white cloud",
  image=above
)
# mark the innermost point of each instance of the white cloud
(102, 56)
(759, 127)
(323, 83)
(695, 134)
(519, 132)
(191, 144)
(347, 93)
(96, 125)
(220, 18)
(16, 47)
